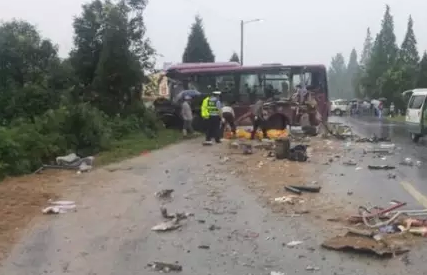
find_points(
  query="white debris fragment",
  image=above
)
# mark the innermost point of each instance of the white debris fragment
(59, 207)
(294, 243)
(312, 268)
(276, 273)
(358, 168)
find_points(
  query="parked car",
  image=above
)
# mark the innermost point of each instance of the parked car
(339, 107)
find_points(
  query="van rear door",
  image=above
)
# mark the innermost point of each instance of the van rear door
(414, 112)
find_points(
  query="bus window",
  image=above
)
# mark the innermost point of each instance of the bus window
(277, 84)
(250, 88)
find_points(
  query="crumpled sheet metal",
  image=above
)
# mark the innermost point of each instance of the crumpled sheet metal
(386, 248)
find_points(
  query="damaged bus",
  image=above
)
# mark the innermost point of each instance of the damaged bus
(243, 85)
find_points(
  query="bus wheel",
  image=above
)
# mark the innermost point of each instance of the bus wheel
(415, 137)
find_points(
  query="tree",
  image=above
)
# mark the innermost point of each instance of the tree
(352, 74)
(235, 58)
(337, 77)
(111, 54)
(408, 53)
(383, 57)
(198, 48)
(421, 81)
(363, 64)
(30, 73)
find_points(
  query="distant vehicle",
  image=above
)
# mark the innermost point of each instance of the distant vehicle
(416, 113)
(339, 107)
(245, 85)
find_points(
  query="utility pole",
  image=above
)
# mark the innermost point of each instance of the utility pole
(242, 24)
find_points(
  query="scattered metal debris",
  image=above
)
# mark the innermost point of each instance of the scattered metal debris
(165, 193)
(311, 189)
(293, 244)
(312, 268)
(178, 216)
(165, 267)
(214, 227)
(381, 167)
(350, 163)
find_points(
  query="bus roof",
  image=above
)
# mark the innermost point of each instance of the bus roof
(182, 66)
(210, 68)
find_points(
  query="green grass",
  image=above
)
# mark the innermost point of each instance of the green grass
(137, 144)
(396, 118)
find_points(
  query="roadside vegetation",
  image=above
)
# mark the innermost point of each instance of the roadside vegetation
(86, 103)
(384, 69)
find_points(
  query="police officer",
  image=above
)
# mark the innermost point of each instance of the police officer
(211, 113)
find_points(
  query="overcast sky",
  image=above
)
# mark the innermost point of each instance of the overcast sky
(308, 31)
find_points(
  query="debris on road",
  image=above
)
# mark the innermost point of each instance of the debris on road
(350, 163)
(59, 207)
(410, 162)
(294, 244)
(312, 268)
(299, 189)
(293, 190)
(384, 247)
(203, 246)
(214, 227)
(391, 176)
(165, 193)
(178, 216)
(289, 199)
(165, 267)
(167, 226)
(381, 167)
(276, 273)
(311, 189)
(70, 162)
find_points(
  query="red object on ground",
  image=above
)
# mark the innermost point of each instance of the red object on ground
(145, 152)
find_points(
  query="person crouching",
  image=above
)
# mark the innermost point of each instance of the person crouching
(228, 118)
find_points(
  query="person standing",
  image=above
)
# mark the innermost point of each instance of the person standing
(211, 113)
(228, 117)
(392, 109)
(380, 109)
(259, 119)
(187, 116)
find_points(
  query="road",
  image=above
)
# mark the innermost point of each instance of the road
(411, 179)
(110, 233)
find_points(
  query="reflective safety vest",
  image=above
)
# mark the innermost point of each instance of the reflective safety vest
(209, 107)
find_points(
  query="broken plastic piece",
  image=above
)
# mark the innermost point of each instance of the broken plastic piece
(294, 243)
(165, 267)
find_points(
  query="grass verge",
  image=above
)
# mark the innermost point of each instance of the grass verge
(137, 144)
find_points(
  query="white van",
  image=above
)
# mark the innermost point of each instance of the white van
(416, 113)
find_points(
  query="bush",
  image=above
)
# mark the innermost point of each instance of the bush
(83, 129)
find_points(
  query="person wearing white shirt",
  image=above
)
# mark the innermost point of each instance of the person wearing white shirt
(228, 117)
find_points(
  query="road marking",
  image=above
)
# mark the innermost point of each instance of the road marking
(414, 193)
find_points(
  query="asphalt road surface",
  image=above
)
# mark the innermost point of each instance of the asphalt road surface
(412, 179)
(230, 233)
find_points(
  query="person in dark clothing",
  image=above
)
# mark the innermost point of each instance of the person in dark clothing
(259, 119)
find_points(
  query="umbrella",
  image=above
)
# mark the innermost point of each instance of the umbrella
(190, 93)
